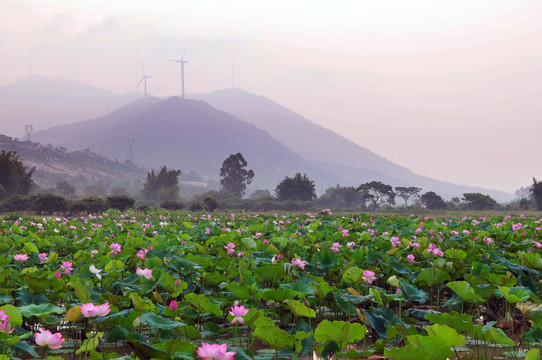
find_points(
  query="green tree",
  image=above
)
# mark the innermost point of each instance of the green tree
(48, 203)
(259, 194)
(377, 193)
(210, 204)
(119, 202)
(162, 186)
(478, 201)
(407, 192)
(341, 197)
(296, 188)
(14, 177)
(97, 190)
(536, 194)
(234, 175)
(65, 189)
(432, 200)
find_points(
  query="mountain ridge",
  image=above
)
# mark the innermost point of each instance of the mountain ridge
(325, 148)
(186, 134)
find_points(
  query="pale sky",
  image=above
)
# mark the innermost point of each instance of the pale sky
(447, 88)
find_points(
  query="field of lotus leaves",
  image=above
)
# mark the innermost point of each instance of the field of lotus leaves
(176, 285)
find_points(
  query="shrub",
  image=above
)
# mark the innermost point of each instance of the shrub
(94, 204)
(210, 204)
(15, 203)
(195, 206)
(120, 202)
(48, 203)
(77, 207)
(172, 205)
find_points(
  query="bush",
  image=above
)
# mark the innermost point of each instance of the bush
(172, 205)
(15, 203)
(120, 202)
(142, 207)
(94, 204)
(195, 206)
(210, 204)
(48, 203)
(77, 207)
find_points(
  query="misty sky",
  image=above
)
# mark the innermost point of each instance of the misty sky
(448, 88)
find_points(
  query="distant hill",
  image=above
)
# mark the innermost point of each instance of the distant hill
(326, 149)
(46, 102)
(184, 134)
(79, 168)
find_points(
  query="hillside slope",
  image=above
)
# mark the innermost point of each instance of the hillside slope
(326, 149)
(79, 168)
(188, 135)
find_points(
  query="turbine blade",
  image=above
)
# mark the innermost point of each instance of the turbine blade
(140, 81)
(184, 52)
(142, 69)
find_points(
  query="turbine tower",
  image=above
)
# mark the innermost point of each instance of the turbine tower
(29, 128)
(144, 80)
(181, 61)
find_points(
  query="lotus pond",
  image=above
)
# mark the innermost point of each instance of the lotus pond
(186, 286)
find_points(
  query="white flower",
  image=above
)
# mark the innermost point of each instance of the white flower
(95, 271)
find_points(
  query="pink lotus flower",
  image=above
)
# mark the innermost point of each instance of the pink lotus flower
(142, 253)
(67, 266)
(173, 305)
(230, 247)
(46, 338)
(238, 312)
(299, 263)
(20, 257)
(146, 273)
(90, 310)
(58, 274)
(395, 241)
(368, 276)
(410, 258)
(215, 352)
(336, 247)
(42, 257)
(433, 249)
(5, 325)
(115, 248)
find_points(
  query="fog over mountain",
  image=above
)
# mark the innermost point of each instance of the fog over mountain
(193, 136)
(325, 148)
(448, 89)
(45, 102)
(188, 135)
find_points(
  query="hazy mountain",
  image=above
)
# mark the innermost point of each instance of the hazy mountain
(79, 168)
(326, 149)
(184, 134)
(46, 102)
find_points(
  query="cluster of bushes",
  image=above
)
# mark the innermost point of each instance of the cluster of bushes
(52, 203)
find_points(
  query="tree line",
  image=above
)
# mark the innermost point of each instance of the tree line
(161, 188)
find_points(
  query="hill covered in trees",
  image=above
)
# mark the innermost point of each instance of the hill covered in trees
(80, 168)
(188, 135)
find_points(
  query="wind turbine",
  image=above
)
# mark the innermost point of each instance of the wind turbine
(181, 61)
(144, 79)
